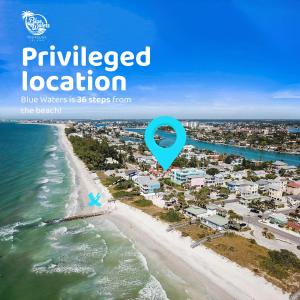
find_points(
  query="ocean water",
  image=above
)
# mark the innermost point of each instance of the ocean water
(62, 261)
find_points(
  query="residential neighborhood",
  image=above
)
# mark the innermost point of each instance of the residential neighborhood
(222, 192)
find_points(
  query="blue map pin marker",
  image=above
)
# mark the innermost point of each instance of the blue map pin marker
(165, 156)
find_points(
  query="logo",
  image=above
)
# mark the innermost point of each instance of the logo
(94, 200)
(36, 24)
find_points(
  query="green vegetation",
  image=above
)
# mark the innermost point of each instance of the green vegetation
(171, 216)
(143, 202)
(281, 268)
(124, 184)
(202, 196)
(180, 162)
(262, 206)
(108, 180)
(212, 171)
(122, 194)
(271, 176)
(196, 231)
(94, 153)
(234, 216)
(280, 263)
(69, 130)
(267, 234)
(169, 182)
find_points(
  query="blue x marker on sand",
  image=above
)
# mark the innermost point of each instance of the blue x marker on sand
(94, 200)
(165, 156)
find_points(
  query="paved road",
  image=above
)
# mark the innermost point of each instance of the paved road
(284, 211)
(280, 233)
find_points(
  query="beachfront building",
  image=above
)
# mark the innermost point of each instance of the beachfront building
(212, 209)
(147, 185)
(215, 222)
(180, 176)
(293, 188)
(195, 212)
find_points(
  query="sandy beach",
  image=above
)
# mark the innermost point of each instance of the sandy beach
(198, 269)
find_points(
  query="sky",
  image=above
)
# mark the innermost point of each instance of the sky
(222, 59)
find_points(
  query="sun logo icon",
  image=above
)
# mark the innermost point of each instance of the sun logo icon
(36, 24)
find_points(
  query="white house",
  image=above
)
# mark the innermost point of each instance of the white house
(195, 212)
(212, 209)
(215, 222)
(275, 192)
(260, 173)
(293, 188)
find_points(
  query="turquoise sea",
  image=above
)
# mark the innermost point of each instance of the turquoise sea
(61, 261)
(251, 154)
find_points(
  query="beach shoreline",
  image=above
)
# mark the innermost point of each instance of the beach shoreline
(199, 268)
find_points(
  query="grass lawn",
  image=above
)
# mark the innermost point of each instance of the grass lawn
(151, 209)
(195, 231)
(247, 253)
(143, 202)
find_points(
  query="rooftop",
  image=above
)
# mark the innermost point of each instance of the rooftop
(195, 210)
(217, 220)
(211, 206)
(146, 180)
(294, 184)
(280, 217)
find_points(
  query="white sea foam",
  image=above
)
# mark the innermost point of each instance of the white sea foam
(90, 225)
(29, 222)
(105, 250)
(57, 233)
(54, 156)
(43, 180)
(152, 291)
(41, 196)
(46, 204)
(42, 224)
(51, 148)
(43, 263)
(58, 180)
(7, 232)
(55, 172)
(65, 269)
(49, 165)
(73, 203)
(45, 189)
(143, 260)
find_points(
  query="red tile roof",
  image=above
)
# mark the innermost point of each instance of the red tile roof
(294, 184)
(294, 225)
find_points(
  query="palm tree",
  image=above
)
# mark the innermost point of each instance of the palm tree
(26, 14)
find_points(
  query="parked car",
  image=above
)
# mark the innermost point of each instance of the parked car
(254, 210)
